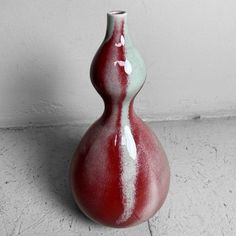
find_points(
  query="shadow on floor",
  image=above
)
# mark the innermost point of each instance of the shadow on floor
(55, 147)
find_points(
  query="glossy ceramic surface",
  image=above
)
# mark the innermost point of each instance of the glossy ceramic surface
(119, 174)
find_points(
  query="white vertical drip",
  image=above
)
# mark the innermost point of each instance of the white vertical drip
(128, 149)
(128, 166)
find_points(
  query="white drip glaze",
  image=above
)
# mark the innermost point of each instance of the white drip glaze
(128, 166)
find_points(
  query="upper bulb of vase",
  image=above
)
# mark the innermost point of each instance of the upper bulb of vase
(117, 71)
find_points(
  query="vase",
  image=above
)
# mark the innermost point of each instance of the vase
(119, 174)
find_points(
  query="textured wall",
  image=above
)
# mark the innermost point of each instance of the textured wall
(46, 48)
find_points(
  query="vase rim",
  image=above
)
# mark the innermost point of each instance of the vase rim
(117, 13)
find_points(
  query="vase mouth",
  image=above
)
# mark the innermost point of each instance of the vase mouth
(117, 13)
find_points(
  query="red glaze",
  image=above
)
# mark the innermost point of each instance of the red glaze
(119, 174)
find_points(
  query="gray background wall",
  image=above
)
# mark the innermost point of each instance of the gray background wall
(46, 48)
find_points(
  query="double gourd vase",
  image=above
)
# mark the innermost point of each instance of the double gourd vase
(119, 174)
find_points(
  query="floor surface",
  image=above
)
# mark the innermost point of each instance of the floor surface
(35, 198)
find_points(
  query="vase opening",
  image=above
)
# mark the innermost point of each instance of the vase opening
(117, 12)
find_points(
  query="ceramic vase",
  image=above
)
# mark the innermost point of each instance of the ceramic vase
(119, 174)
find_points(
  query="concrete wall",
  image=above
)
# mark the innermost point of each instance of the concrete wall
(46, 48)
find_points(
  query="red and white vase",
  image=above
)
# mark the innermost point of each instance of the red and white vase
(119, 174)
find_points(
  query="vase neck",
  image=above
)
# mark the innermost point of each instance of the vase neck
(116, 24)
(116, 109)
